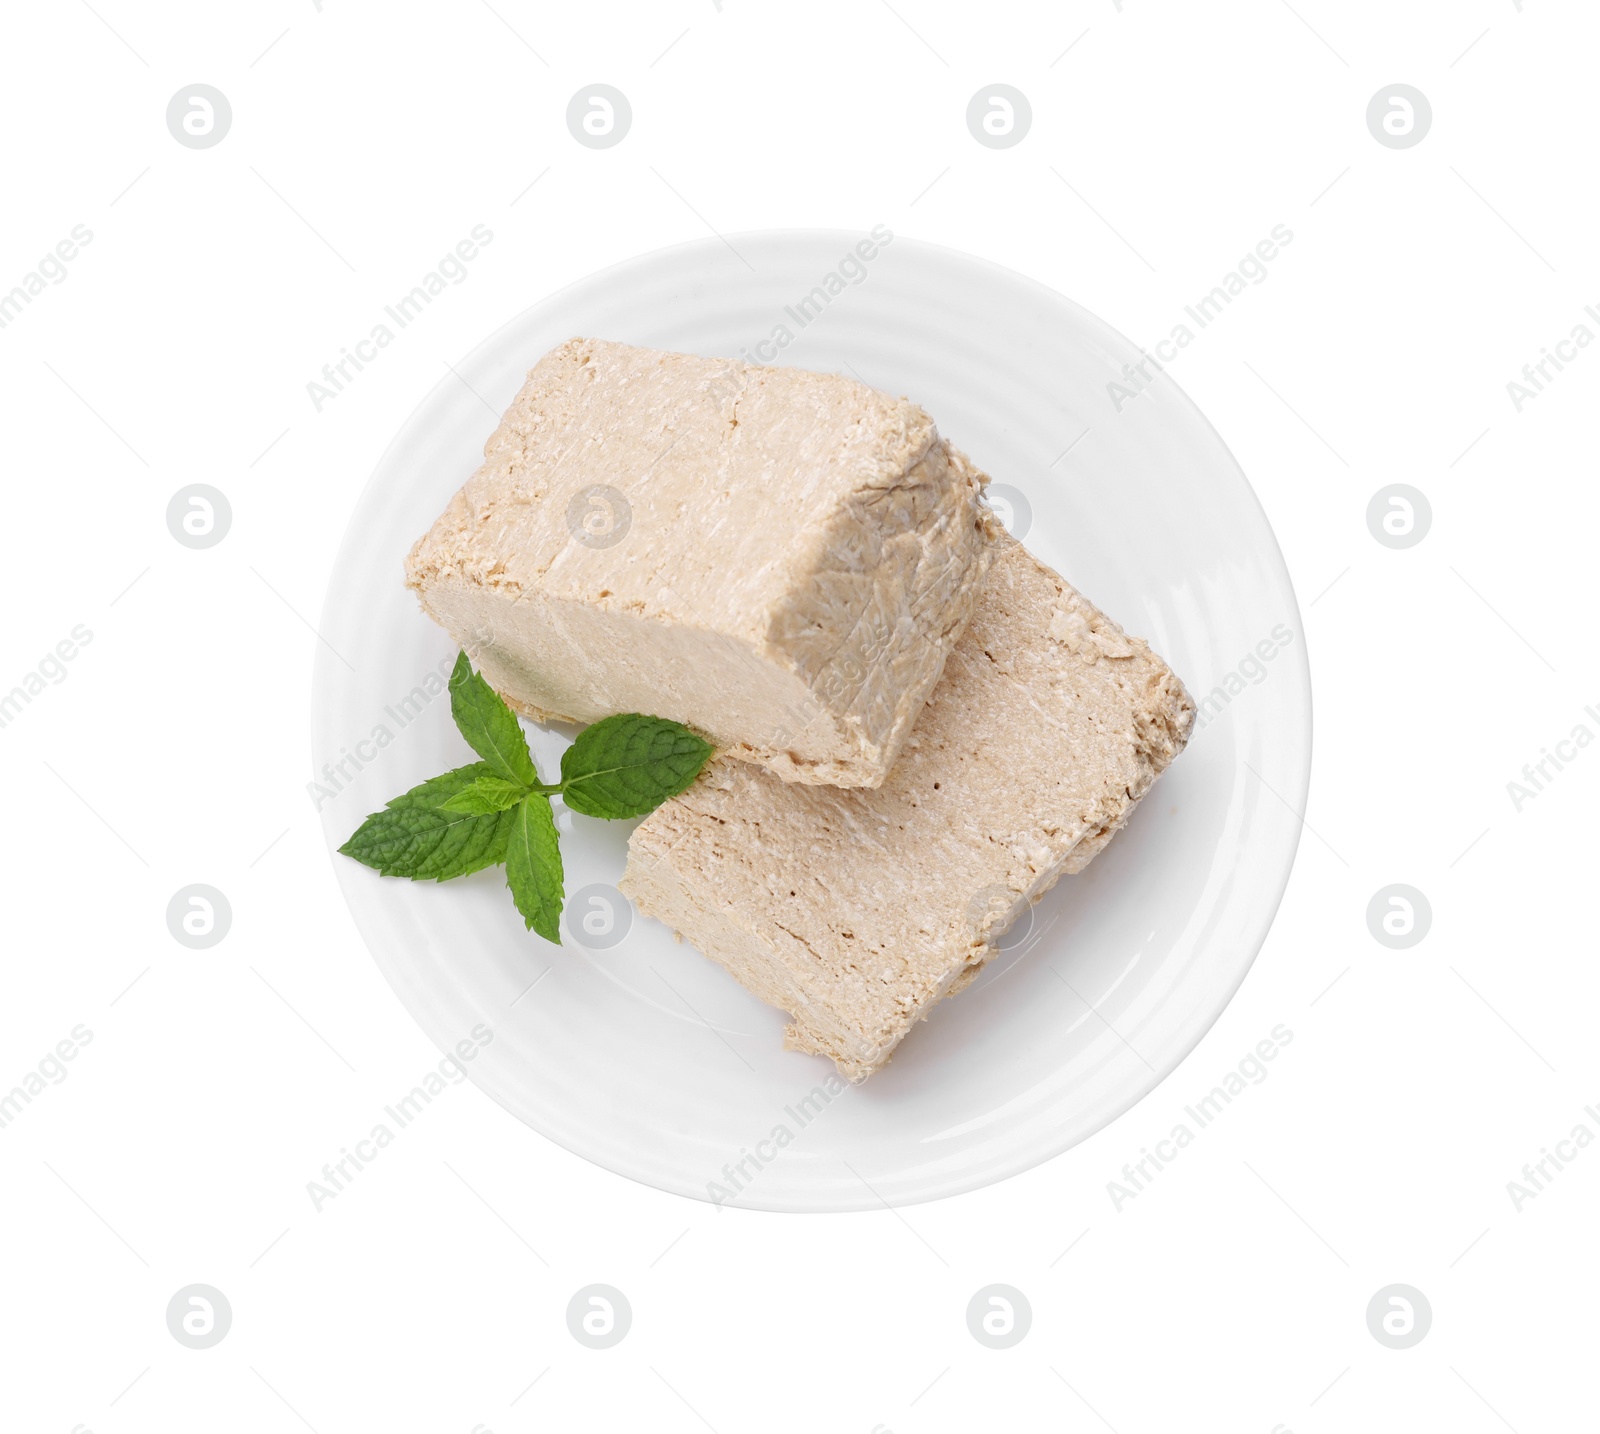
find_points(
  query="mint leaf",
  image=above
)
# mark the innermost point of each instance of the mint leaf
(414, 837)
(627, 765)
(436, 791)
(497, 810)
(533, 867)
(489, 725)
(487, 794)
(423, 842)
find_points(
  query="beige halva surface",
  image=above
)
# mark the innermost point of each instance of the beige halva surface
(778, 558)
(856, 911)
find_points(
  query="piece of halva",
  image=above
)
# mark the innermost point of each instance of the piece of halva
(857, 911)
(781, 559)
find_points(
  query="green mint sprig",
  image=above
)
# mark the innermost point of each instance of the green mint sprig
(497, 811)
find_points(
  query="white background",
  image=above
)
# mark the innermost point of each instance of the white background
(1168, 138)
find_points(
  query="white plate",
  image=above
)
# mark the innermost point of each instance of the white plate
(645, 1057)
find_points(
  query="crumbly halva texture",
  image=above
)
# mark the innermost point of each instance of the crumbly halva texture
(857, 911)
(781, 559)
